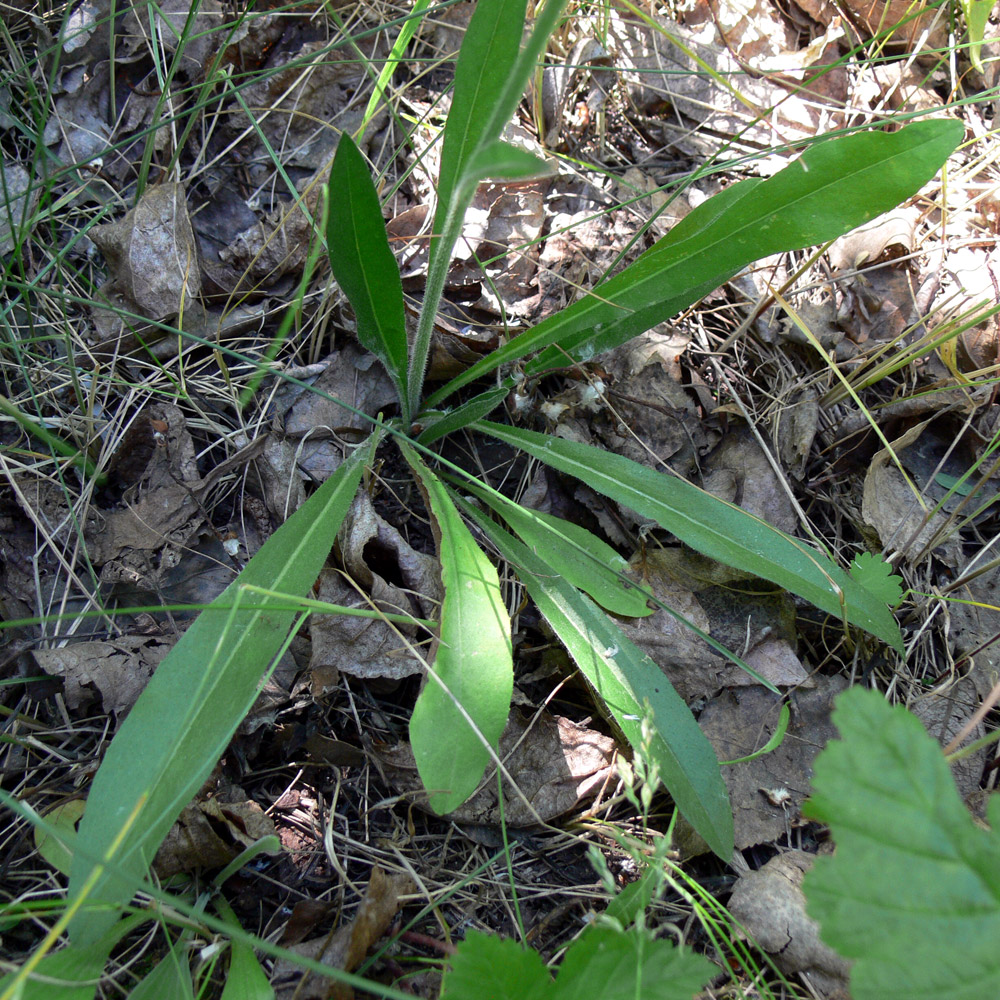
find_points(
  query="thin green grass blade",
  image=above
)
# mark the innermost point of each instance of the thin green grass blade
(405, 36)
(194, 914)
(188, 712)
(832, 188)
(630, 684)
(362, 261)
(577, 555)
(717, 529)
(466, 700)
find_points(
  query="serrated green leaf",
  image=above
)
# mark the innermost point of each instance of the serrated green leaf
(577, 555)
(363, 263)
(488, 966)
(832, 188)
(187, 714)
(604, 964)
(466, 700)
(717, 529)
(912, 893)
(630, 684)
(876, 575)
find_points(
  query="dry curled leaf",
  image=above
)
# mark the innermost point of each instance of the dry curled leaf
(210, 834)
(739, 722)
(770, 904)
(151, 254)
(346, 947)
(113, 672)
(368, 647)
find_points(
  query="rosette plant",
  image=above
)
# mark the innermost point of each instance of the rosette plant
(182, 723)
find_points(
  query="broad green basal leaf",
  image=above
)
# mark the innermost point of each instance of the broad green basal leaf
(465, 702)
(72, 972)
(362, 261)
(912, 893)
(577, 555)
(630, 684)
(835, 186)
(188, 712)
(713, 527)
(245, 979)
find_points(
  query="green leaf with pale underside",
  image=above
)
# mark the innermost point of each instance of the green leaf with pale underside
(717, 529)
(629, 683)
(466, 700)
(577, 555)
(912, 893)
(188, 712)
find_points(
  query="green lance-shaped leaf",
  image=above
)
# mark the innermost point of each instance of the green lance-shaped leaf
(465, 702)
(577, 555)
(832, 188)
(170, 977)
(245, 979)
(363, 263)
(440, 424)
(490, 76)
(719, 530)
(187, 714)
(630, 684)
(977, 16)
(912, 893)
